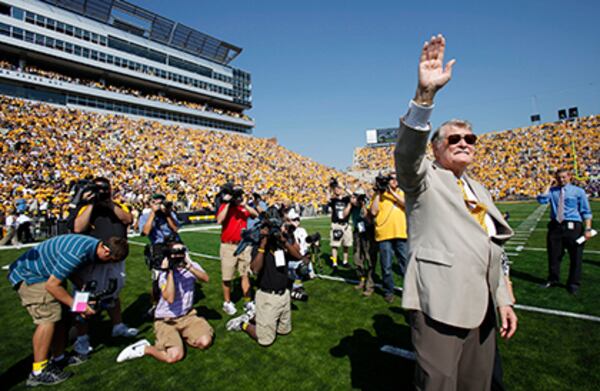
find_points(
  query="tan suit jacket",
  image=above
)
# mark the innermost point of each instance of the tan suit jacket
(453, 267)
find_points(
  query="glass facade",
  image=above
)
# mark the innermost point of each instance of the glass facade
(241, 80)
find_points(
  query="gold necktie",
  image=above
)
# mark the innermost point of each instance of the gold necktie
(477, 209)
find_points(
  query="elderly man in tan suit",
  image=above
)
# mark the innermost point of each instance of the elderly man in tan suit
(453, 288)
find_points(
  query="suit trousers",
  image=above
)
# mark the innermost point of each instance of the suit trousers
(451, 358)
(561, 237)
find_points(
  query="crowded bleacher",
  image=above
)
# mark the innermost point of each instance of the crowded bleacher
(46, 147)
(52, 75)
(518, 163)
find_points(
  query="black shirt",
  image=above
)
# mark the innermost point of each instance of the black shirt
(104, 223)
(270, 277)
(337, 209)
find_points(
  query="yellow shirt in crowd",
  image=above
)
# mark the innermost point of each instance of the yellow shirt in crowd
(390, 222)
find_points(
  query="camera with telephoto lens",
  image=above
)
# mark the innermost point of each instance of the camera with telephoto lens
(101, 299)
(313, 239)
(236, 192)
(100, 192)
(176, 256)
(382, 182)
(333, 183)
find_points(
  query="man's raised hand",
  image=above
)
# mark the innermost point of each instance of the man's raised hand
(433, 75)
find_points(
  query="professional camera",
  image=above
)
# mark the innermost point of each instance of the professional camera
(333, 182)
(382, 182)
(98, 300)
(100, 192)
(155, 253)
(236, 192)
(314, 250)
(176, 255)
(313, 239)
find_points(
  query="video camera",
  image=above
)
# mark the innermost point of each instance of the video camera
(100, 192)
(270, 219)
(333, 183)
(98, 299)
(382, 182)
(236, 192)
(176, 255)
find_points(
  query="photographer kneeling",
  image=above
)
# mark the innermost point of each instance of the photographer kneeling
(174, 316)
(273, 304)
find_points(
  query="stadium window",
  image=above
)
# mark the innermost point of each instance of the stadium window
(4, 29)
(69, 30)
(86, 35)
(58, 44)
(94, 55)
(94, 38)
(102, 56)
(29, 36)
(110, 58)
(17, 13)
(39, 39)
(30, 17)
(40, 20)
(86, 52)
(78, 33)
(17, 33)
(50, 24)
(60, 27)
(103, 41)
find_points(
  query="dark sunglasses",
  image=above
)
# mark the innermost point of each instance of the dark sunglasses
(470, 139)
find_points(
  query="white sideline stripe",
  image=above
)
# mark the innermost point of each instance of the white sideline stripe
(558, 312)
(191, 252)
(396, 351)
(522, 307)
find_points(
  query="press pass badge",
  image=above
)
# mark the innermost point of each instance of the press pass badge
(279, 258)
(361, 226)
(340, 214)
(571, 225)
(80, 301)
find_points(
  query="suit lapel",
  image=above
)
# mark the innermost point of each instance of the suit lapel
(502, 226)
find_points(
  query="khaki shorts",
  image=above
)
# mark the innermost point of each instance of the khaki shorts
(273, 316)
(229, 263)
(190, 327)
(41, 305)
(346, 239)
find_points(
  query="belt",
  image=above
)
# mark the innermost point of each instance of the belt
(168, 320)
(274, 291)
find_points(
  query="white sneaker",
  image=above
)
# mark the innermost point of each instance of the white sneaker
(250, 306)
(132, 351)
(235, 324)
(229, 308)
(121, 330)
(82, 345)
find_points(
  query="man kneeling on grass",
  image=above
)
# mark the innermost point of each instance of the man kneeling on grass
(174, 316)
(270, 263)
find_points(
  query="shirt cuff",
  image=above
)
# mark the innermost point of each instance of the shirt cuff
(418, 117)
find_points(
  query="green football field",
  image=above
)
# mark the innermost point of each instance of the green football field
(337, 334)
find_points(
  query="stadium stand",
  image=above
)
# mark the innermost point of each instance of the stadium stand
(517, 163)
(46, 147)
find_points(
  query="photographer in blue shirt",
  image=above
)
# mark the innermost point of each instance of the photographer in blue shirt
(570, 218)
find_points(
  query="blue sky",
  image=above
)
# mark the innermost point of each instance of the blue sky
(325, 71)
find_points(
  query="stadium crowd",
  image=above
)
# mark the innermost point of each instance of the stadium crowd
(33, 70)
(519, 163)
(45, 148)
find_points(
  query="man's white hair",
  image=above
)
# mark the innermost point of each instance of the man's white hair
(440, 132)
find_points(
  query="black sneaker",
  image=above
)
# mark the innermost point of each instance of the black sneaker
(76, 359)
(50, 375)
